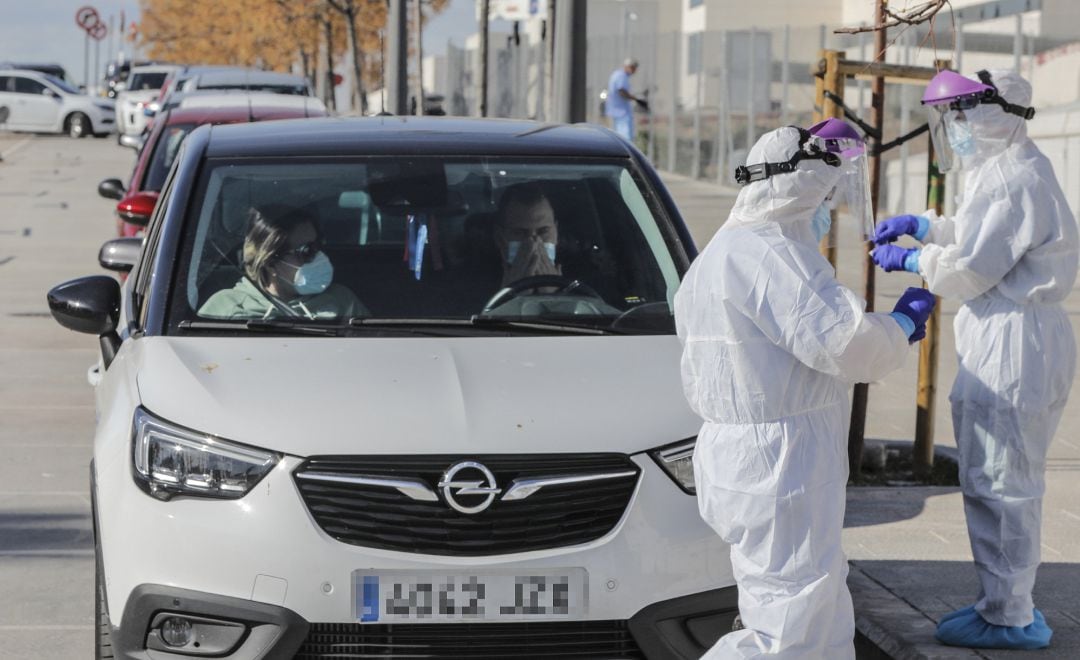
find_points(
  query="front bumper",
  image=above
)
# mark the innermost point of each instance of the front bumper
(681, 628)
(266, 547)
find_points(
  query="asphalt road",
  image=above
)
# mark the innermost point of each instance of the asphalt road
(51, 224)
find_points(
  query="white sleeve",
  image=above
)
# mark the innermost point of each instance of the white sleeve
(824, 325)
(980, 260)
(942, 230)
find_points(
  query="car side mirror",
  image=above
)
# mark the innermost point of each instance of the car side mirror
(91, 305)
(120, 254)
(51, 94)
(111, 189)
(137, 208)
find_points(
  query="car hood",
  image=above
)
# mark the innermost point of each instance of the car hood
(309, 396)
(143, 95)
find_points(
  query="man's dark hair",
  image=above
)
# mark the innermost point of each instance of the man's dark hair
(526, 194)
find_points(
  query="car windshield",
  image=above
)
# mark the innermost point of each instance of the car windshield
(144, 80)
(62, 84)
(168, 145)
(426, 242)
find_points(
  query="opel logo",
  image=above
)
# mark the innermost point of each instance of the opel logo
(469, 487)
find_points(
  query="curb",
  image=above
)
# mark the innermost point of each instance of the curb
(888, 627)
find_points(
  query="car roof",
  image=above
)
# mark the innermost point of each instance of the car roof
(242, 98)
(154, 68)
(397, 135)
(237, 113)
(249, 77)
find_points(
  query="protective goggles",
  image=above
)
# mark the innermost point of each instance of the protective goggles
(969, 101)
(810, 148)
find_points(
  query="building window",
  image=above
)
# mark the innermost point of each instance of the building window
(693, 52)
(696, 3)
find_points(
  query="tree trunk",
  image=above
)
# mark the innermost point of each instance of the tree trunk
(328, 38)
(360, 94)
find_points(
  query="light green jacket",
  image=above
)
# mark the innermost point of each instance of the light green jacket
(246, 301)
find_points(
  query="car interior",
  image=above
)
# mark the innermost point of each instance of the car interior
(367, 230)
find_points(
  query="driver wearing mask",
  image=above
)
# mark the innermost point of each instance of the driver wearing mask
(526, 233)
(286, 273)
(526, 236)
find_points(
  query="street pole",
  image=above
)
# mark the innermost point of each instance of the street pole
(86, 61)
(877, 118)
(419, 58)
(570, 51)
(397, 59)
(485, 9)
(97, 65)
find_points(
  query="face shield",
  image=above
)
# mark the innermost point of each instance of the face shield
(851, 197)
(949, 99)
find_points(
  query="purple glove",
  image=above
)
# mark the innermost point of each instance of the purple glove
(916, 304)
(891, 257)
(895, 227)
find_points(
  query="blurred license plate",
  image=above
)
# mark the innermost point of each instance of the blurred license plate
(470, 596)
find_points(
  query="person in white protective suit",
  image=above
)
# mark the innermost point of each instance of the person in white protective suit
(771, 346)
(1010, 254)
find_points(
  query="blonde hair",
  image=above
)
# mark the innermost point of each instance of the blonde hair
(268, 232)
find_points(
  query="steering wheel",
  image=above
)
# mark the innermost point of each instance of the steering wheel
(640, 310)
(564, 285)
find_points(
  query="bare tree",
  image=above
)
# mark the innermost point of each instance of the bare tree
(349, 8)
(921, 13)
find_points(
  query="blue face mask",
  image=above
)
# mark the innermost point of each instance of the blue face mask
(314, 276)
(821, 222)
(513, 247)
(960, 138)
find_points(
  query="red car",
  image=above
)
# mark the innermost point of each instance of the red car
(156, 157)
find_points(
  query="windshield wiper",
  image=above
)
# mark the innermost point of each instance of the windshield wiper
(265, 325)
(482, 322)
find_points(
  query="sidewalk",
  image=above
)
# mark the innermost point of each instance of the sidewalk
(908, 547)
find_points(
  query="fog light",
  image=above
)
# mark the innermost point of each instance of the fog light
(176, 631)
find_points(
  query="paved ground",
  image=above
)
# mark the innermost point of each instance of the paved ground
(50, 228)
(911, 562)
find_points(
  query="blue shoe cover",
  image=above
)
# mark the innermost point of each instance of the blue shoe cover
(952, 615)
(966, 628)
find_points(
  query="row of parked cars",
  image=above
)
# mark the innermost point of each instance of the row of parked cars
(390, 387)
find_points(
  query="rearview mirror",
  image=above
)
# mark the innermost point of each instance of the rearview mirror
(111, 189)
(91, 305)
(137, 208)
(120, 254)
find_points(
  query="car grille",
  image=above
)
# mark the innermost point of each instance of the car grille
(468, 641)
(555, 516)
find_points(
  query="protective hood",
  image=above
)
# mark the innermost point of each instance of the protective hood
(788, 199)
(994, 129)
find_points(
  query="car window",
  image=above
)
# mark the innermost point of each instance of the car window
(165, 150)
(62, 84)
(7, 84)
(539, 239)
(144, 80)
(144, 270)
(28, 86)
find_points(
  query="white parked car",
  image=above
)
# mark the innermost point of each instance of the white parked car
(40, 103)
(340, 416)
(142, 87)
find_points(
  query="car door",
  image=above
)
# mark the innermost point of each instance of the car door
(7, 103)
(36, 107)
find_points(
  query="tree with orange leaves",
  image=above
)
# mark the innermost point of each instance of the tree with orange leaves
(271, 34)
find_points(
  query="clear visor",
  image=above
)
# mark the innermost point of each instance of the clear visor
(851, 199)
(948, 128)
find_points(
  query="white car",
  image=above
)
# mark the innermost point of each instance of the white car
(40, 103)
(434, 457)
(143, 86)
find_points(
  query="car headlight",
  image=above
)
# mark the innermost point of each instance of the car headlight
(171, 461)
(677, 460)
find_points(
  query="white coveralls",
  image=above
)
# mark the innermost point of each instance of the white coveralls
(772, 344)
(1010, 254)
